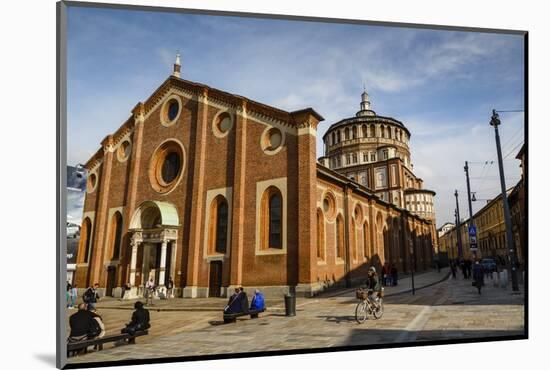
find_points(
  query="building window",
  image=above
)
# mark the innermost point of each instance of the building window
(385, 154)
(320, 235)
(272, 140)
(337, 136)
(365, 157)
(222, 124)
(346, 133)
(272, 217)
(354, 157)
(365, 239)
(219, 219)
(333, 138)
(372, 131)
(116, 234)
(348, 158)
(85, 240)
(124, 150)
(329, 206)
(373, 157)
(339, 237)
(166, 166)
(170, 111)
(364, 131)
(354, 132)
(275, 218)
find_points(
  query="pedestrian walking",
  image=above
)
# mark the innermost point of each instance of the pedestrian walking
(394, 275)
(170, 288)
(73, 296)
(149, 291)
(478, 276)
(453, 269)
(68, 295)
(469, 269)
(91, 296)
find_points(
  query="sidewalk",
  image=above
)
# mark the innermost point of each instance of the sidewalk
(421, 280)
(404, 285)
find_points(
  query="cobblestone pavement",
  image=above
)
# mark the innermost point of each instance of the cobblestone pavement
(449, 310)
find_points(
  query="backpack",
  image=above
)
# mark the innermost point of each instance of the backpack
(87, 296)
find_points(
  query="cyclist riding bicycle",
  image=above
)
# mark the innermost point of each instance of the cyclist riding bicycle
(373, 285)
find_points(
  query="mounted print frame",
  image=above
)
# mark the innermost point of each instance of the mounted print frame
(239, 185)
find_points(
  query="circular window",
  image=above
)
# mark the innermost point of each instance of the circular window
(222, 124)
(170, 110)
(272, 140)
(124, 150)
(91, 183)
(329, 205)
(166, 167)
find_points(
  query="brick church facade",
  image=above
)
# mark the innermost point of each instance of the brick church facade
(217, 191)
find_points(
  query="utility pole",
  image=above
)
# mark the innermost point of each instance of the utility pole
(471, 226)
(512, 257)
(459, 239)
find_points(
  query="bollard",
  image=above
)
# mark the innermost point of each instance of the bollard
(290, 305)
(495, 279)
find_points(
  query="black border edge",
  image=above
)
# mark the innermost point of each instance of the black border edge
(61, 182)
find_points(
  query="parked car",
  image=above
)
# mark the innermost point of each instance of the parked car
(73, 230)
(488, 264)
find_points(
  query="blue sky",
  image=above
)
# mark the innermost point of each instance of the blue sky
(442, 85)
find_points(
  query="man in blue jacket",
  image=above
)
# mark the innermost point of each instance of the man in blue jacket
(258, 301)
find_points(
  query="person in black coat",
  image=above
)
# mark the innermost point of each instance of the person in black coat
(140, 320)
(83, 325)
(478, 276)
(238, 302)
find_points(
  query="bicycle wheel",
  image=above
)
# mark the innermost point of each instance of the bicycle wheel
(379, 311)
(361, 312)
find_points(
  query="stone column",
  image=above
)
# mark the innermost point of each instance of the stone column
(133, 263)
(162, 262)
(173, 260)
(238, 203)
(198, 196)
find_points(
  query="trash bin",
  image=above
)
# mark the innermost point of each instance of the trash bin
(290, 305)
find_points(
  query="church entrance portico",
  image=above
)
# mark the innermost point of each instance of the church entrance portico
(153, 240)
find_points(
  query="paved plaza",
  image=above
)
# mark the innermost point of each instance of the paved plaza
(444, 308)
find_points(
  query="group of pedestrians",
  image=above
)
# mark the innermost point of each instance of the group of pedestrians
(389, 275)
(474, 271)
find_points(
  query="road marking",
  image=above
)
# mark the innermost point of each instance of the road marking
(411, 331)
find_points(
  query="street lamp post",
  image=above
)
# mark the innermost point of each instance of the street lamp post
(459, 239)
(471, 225)
(495, 121)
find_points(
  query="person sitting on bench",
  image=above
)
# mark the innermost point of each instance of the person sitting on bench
(258, 301)
(140, 320)
(238, 303)
(83, 325)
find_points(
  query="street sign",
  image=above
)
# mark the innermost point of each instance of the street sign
(472, 232)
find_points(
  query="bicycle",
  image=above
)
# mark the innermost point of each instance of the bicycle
(369, 305)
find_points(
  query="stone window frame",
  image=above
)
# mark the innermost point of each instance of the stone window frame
(215, 130)
(89, 187)
(330, 215)
(264, 139)
(156, 183)
(211, 195)
(120, 156)
(111, 233)
(262, 187)
(163, 112)
(84, 260)
(321, 242)
(339, 239)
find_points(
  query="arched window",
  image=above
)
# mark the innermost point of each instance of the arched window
(272, 219)
(382, 131)
(116, 234)
(333, 138)
(339, 237)
(372, 131)
(218, 225)
(85, 240)
(320, 235)
(346, 133)
(354, 132)
(353, 239)
(275, 220)
(337, 136)
(388, 132)
(365, 240)
(364, 131)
